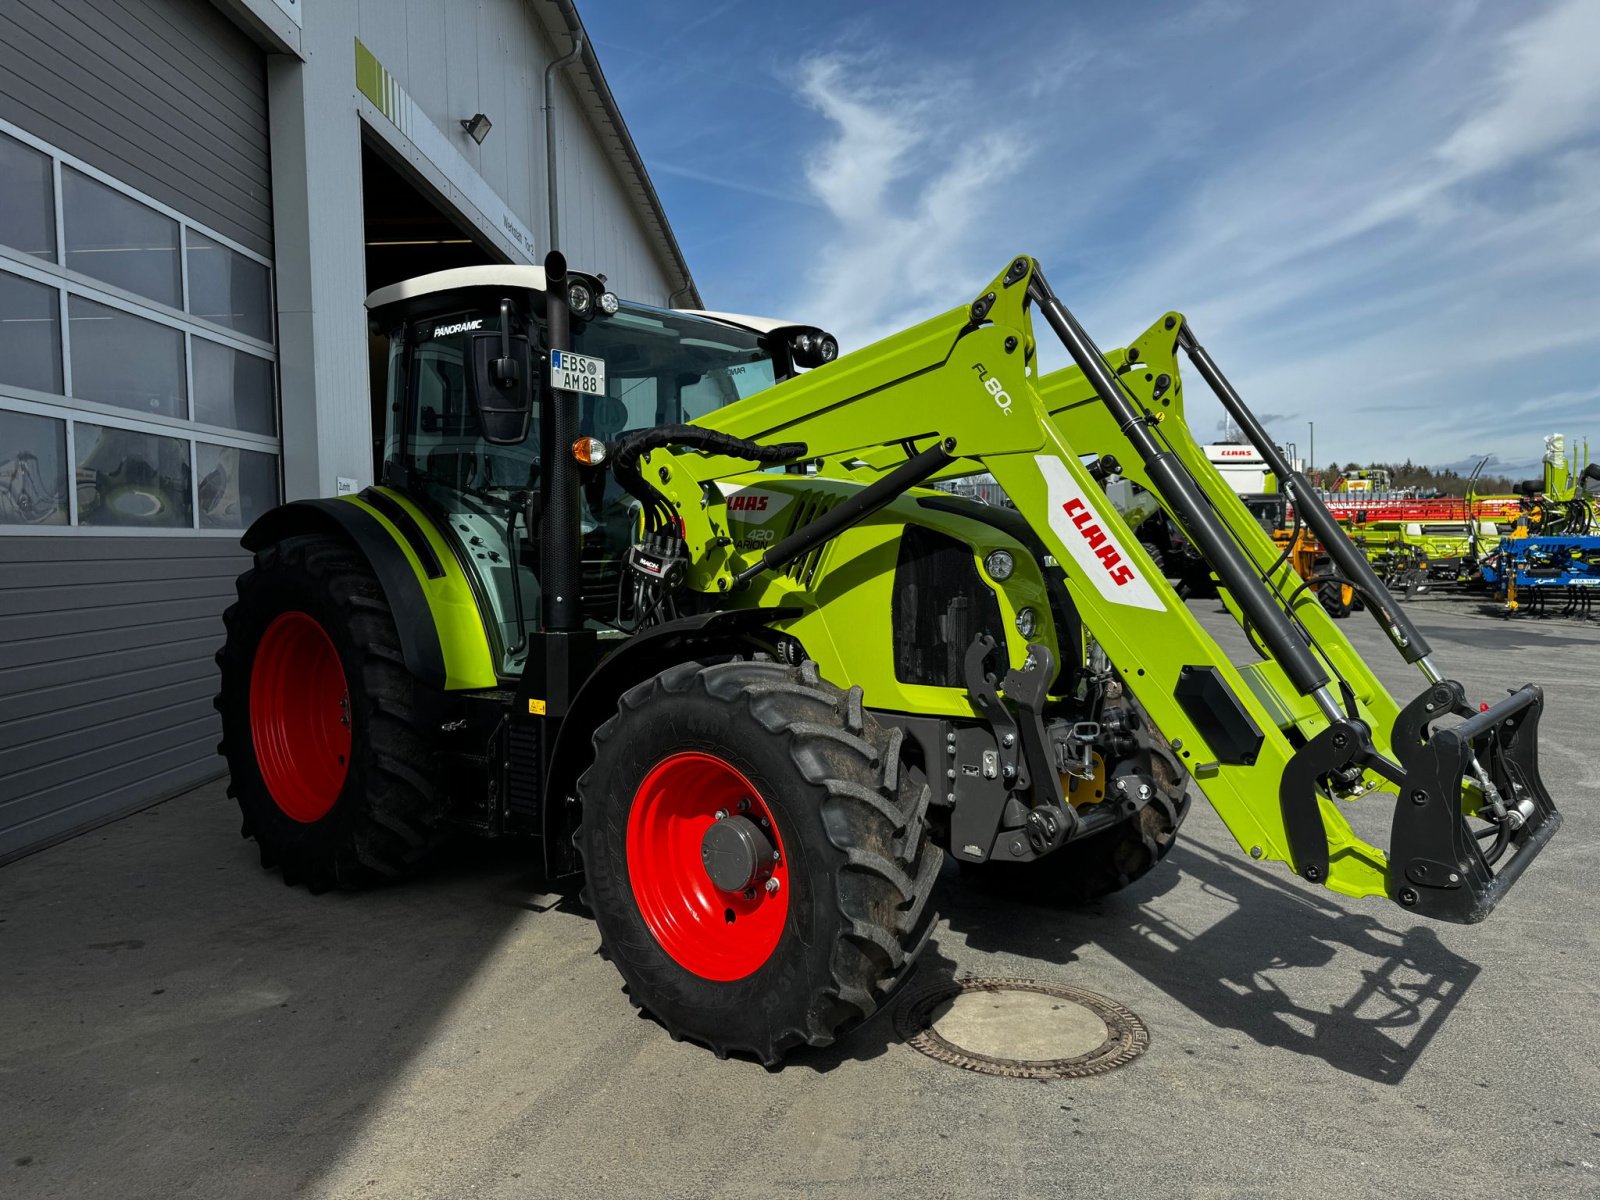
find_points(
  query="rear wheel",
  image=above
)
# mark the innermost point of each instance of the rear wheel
(757, 859)
(329, 761)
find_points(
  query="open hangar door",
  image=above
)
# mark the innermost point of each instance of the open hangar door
(408, 232)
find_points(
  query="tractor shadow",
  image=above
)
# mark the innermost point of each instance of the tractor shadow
(878, 1035)
(1280, 963)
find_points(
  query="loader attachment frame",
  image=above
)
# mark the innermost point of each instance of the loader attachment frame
(1276, 745)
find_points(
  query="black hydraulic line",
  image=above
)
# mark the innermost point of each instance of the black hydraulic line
(1316, 579)
(514, 553)
(1174, 483)
(859, 507)
(1407, 639)
(561, 576)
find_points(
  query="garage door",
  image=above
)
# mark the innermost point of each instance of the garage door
(138, 395)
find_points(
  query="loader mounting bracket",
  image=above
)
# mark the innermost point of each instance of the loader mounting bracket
(1332, 749)
(1436, 865)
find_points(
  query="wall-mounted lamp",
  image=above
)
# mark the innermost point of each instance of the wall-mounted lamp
(478, 127)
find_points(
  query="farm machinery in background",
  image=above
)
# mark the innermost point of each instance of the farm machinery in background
(1538, 543)
(1422, 544)
(1549, 563)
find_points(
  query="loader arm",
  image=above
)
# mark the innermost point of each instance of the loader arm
(1276, 745)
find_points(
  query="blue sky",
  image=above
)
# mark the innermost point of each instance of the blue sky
(1380, 216)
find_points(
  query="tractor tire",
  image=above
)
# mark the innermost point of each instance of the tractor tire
(822, 900)
(333, 770)
(1086, 870)
(1331, 597)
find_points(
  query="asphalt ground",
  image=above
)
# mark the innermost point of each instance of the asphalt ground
(174, 1022)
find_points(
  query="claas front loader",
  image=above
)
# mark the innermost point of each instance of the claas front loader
(668, 591)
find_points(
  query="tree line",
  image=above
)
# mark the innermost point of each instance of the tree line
(1427, 481)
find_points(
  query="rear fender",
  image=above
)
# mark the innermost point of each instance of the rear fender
(442, 632)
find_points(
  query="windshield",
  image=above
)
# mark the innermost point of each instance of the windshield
(664, 368)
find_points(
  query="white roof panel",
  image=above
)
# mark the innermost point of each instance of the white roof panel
(516, 276)
(754, 324)
(487, 275)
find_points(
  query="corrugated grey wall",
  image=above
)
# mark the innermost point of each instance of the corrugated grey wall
(106, 676)
(167, 95)
(455, 60)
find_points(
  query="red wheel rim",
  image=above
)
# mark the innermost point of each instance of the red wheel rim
(300, 716)
(714, 933)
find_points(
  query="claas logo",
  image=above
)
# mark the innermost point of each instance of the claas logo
(746, 502)
(1083, 518)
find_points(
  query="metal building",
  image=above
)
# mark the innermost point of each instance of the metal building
(195, 197)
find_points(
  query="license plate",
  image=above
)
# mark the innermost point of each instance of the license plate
(577, 373)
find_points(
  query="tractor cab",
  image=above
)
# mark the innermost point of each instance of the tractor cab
(467, 415)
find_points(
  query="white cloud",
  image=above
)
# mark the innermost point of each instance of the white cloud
(1545, 92)
(1401, 229)
(906, 196)
(1419, 246)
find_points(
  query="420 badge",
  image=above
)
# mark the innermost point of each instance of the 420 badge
(571, 372)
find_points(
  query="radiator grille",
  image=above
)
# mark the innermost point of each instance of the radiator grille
(804, 569)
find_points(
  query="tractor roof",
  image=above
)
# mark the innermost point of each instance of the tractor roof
(530, 277)
(487, 275)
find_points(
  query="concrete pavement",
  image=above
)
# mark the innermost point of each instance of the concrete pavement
(174, 1022)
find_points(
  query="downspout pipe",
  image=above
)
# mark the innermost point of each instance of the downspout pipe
(559, 64)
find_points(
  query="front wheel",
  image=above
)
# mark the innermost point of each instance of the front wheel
(757, 858)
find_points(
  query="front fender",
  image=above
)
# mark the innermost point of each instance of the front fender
(635, 660)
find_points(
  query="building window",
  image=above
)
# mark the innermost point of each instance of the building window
(236, 486)
(30, 334)
(27, 200)
(129, 478)
(228, 288)
(117, 240)
(124, 360)
(33, 470)
(233, 389)
(138, 365)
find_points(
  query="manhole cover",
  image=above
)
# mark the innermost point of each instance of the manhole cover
(1021, 1029)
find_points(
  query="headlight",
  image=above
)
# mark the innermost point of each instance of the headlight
(608, 303)
(580, 300)
(1000, 565)
(1027, 622)
(812, 347)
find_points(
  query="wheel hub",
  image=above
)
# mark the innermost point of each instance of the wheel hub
(707, 866)
(737, 855)
(300, 716)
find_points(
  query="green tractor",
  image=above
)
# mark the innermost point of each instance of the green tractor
(669, 592)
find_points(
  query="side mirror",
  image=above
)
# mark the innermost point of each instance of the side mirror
(501, 385)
